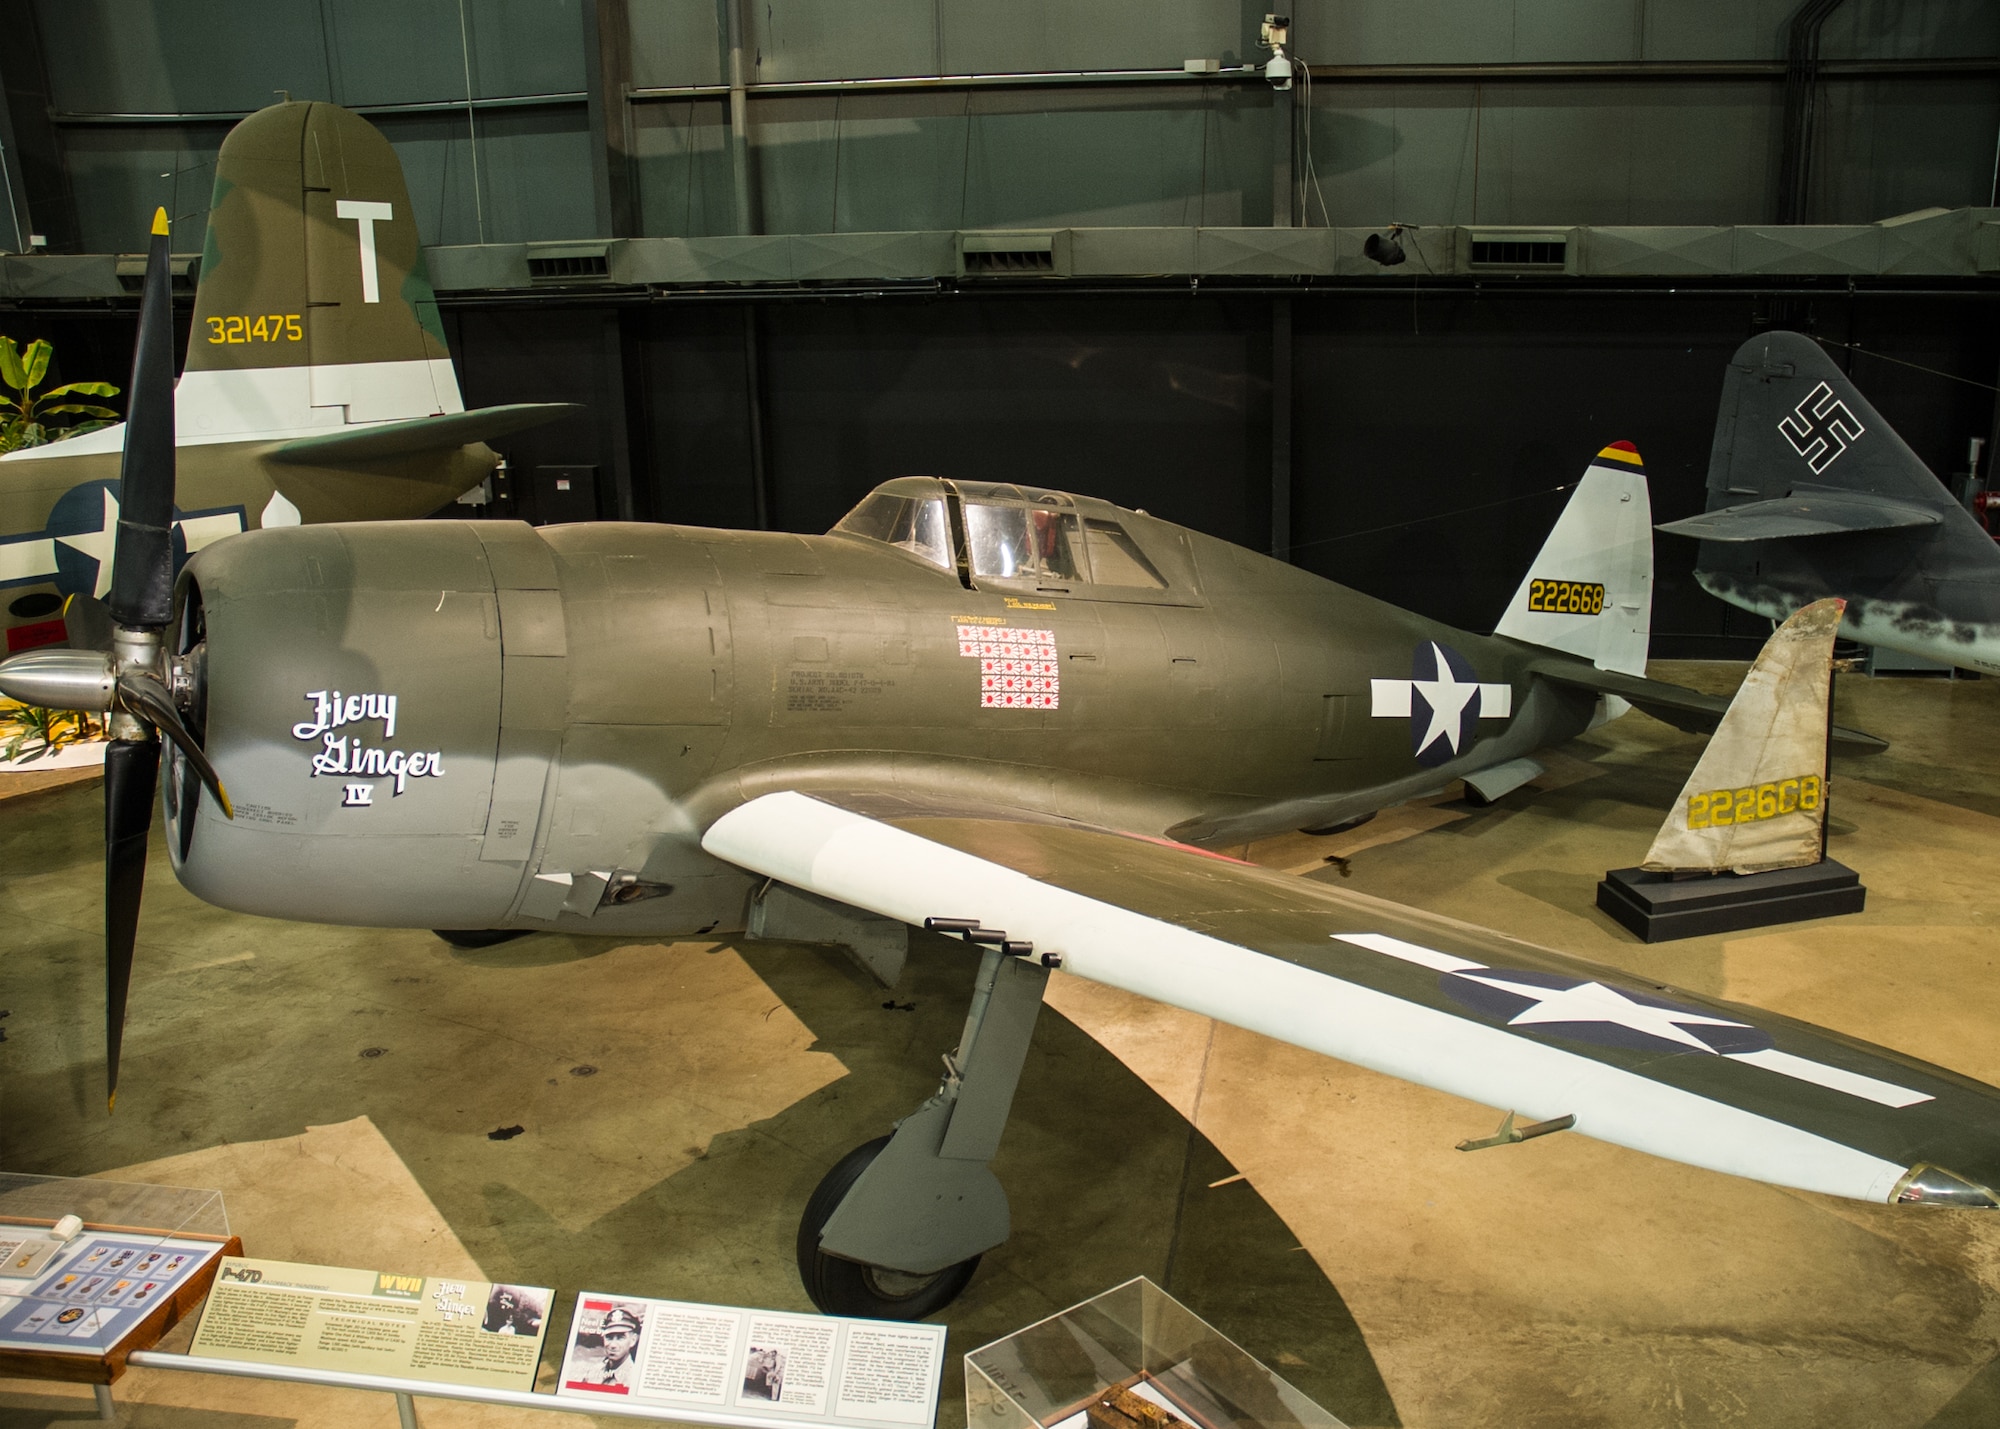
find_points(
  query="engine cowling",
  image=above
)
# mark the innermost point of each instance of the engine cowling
(457, 724)
(350, 689)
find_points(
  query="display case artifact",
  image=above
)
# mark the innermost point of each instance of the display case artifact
(91, 1270)
(1131, 1358)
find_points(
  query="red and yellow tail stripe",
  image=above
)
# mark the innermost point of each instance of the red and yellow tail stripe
(1620, 456)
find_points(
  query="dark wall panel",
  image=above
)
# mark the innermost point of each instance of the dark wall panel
(1150, 402)
(546, 355)
(694, 403)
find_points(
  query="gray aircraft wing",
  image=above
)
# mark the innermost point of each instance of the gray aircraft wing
(1417, 996)
(1802, 514)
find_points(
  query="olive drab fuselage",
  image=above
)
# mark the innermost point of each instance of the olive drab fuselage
(585, 699)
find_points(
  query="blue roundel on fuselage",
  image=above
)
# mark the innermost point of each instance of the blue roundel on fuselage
(83, 526)
(1444, 704)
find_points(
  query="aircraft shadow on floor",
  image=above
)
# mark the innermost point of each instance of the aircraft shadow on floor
(1975, 1406)
(1106, 1180)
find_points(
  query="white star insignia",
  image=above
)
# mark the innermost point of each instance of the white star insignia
(1594, 1002)
(1447, 698)
(99, 544)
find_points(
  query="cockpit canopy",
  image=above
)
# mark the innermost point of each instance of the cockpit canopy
(1045, 540)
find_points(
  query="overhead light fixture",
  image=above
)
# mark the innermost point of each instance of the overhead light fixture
(1386, 248)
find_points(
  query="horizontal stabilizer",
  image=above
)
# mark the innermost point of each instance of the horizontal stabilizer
(1673, 704)
(1500, 780)
(420, 434)
(1803, 513)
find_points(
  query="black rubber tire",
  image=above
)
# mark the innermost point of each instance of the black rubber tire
(847, 1287)
(480, 937)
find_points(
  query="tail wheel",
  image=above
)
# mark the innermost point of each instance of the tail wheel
(874, 1292)
(480, 937)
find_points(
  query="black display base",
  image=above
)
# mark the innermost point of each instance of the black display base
(1659, 907)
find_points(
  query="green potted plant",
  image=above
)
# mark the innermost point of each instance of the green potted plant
(28, 418)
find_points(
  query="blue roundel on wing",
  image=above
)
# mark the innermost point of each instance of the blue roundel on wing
(1587, 1011)
(1444, 704)
(84, 525)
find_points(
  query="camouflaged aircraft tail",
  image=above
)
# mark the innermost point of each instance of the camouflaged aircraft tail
(313, 304)
(1590, 591)
(1799, 452)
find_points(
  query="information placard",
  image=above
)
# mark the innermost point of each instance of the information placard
(324, 1317)
(867, 1374)
(85, 1295)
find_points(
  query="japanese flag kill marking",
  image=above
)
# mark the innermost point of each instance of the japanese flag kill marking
(1017, 668)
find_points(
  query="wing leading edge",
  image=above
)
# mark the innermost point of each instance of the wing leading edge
(1417, 996)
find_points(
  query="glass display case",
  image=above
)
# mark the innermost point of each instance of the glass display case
(90, 1269)
(1131, 1358)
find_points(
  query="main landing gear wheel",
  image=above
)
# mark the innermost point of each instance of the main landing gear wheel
(873, 1292)
(480, 937)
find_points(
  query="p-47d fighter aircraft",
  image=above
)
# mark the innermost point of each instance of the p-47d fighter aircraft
(317, 384)
(1011, 717)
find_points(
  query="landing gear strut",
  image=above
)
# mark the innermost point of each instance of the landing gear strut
(896, 1230)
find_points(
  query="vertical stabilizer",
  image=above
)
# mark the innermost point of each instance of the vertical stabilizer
(1790, 421)
(313, 309)
(1757, 799)
(1590, 591)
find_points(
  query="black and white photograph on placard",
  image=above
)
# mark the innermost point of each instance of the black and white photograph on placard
(514, 1310)
(764, 1373)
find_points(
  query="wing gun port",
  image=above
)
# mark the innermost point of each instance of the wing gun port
(969, 930)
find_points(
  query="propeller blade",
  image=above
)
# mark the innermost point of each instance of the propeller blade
(131, 769)
(142, 694)
(87, 623)
(142, 563)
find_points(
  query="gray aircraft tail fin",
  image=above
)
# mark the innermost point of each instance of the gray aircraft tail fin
(1799, 452)
(1589, 592)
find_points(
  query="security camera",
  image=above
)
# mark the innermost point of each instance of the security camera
(1274, 35)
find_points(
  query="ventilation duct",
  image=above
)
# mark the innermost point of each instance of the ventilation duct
(1013, 255)
(569, 262)
(132, 272)
(1519, 252)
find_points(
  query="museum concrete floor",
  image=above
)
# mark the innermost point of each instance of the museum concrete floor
(677, 1104)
